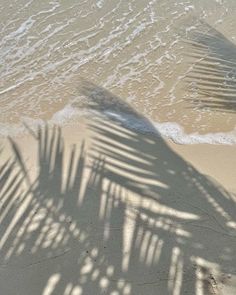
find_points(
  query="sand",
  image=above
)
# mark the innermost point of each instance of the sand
(106, 209)
(103, 204)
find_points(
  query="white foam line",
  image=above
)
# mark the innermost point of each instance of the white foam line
(176, 133)
(173, 130)
(170, 130)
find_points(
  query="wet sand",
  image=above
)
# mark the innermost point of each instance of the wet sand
(173, 61)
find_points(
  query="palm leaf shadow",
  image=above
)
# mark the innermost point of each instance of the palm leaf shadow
(214, 73)
(60, 217)
(141, 162)
(124, 217)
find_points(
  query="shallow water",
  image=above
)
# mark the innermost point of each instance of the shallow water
(173, 61)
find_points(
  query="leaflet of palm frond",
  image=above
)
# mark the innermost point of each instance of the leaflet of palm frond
(227, 82)
(90, 201)
(50, 155)
(11, 197)
(216, 105)
(213, 60)
(215, 89)
(10, 180)
(31, 132)
(20, 160)
(5, 170)
(75, 170)
(212, 70)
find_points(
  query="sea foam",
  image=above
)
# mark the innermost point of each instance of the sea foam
(174, 131)
(132, 121)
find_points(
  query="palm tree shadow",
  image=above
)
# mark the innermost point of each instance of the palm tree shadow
(126, 215)
(214, 74)
(174, 196)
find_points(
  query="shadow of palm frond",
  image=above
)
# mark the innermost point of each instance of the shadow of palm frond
(60, 217)
(124, 216)
(214, 73)
(173, 204)
(11, 180)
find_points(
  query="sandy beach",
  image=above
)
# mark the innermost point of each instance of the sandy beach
(117, 147)
(106, 209)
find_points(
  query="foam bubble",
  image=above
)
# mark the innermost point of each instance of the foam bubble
(100, 3)
(65, 114)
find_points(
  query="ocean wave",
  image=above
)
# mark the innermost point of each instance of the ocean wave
(170, 130)
(175, 131)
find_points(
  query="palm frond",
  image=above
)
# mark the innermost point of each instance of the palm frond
(214, 70)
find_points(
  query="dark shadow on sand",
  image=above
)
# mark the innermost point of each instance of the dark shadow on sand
(214, 73)
(125, 216)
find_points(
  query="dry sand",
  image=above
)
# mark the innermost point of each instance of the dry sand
(121, 212)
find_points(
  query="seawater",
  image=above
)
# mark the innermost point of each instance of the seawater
(172, 61)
